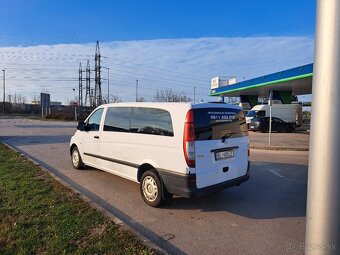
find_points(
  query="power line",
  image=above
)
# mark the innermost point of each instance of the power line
(43, 58)
(137, 75)
(141, 66)
(44, 53)
(137, 65)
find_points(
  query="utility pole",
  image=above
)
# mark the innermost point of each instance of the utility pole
(80, 92)
(98, 88)
(4, 98)
(88, 83)
(136, 90)
(323, 206)
(108, 83)
(194, 94)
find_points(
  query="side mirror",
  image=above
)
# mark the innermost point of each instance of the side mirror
(81, 126)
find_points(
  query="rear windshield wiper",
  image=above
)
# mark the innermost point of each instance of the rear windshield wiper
(226, 136)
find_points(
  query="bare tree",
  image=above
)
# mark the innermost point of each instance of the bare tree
(35, 99)
(168, 95)
(9, 98)
(45, 91)
(15, 101)
(113, 99)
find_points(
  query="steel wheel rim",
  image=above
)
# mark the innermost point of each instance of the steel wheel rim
(75, 158)
(150, 189)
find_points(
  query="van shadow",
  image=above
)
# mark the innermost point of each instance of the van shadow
(265, 196)
(66, 125)
(35, 139)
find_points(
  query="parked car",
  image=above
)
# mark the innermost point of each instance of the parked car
(262, 124)
(168, 148)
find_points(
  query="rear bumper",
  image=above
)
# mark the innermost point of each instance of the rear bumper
(185, 185)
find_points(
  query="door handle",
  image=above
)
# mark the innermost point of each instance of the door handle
(96, 136)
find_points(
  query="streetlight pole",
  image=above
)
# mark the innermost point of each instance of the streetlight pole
(323, 207)
(136, 90)
(75, 105)
(3, 101)
(270, 116)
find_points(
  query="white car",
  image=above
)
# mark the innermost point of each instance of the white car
(170, 149)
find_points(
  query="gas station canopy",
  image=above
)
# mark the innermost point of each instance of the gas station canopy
(298, 80)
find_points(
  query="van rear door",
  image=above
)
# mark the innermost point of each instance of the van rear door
(221, 144)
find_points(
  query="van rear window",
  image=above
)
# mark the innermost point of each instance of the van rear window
(219, 123)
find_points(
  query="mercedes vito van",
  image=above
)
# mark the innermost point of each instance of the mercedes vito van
(170, 149)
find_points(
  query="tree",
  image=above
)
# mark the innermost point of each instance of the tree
(168, 95)
(35, 99)
(113, 99)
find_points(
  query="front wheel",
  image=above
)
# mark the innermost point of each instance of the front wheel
(151, 189)
(76, 159)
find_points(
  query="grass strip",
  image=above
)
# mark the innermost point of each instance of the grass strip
(38, 215)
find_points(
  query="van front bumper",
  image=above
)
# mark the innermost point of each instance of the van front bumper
(185, 185)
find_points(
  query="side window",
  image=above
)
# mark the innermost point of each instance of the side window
(261, 114)
(151, 121)
(117, 119)
(93, 122)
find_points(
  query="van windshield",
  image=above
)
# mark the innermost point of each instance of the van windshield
(258, 114)
(219, 123)
(251, 114)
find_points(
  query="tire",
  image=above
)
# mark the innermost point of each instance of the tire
(290, 129)
(151, 189)
(263, 130)
(77, 162)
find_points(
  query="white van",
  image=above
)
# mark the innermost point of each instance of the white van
(291, 113)
(169, 148)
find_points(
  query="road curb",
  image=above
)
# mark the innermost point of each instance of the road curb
(277, 148)
(139, 235)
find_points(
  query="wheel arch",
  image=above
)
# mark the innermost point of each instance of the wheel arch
(145, 167)
(149, 166)
(71, 147)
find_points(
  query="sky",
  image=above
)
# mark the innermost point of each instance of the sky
(164, 44)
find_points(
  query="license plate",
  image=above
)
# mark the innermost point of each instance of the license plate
(251, 127)
(224, 154)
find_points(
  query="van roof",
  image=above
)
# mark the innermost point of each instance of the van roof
(174, 104)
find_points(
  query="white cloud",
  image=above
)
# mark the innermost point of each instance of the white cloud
(176, 63)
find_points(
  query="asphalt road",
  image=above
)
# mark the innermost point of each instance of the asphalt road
(265, 215)
(298, 139)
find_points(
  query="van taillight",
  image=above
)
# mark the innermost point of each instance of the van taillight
(189, 139)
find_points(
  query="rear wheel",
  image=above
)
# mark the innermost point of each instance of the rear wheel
(76, 159)
(290, 129)
(151, 189)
